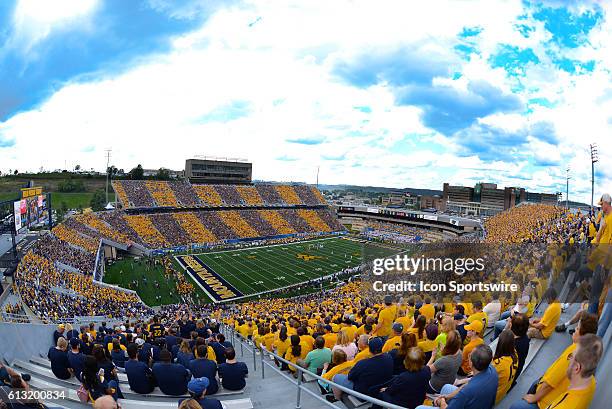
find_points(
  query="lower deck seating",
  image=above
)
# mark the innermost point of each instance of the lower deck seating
(43, 379)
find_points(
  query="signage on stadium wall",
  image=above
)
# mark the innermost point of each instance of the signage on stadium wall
(428, 217)
(372, 210)
(17, 215)
(209, 281)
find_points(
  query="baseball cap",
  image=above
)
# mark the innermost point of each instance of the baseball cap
(197, 386)
(605, 198)
(458, 317)
(61, 326)
(140, 342)
(475, 326)
(397, 327)
(375, 344)
(74, 342)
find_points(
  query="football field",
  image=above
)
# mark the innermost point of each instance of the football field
(261, 269)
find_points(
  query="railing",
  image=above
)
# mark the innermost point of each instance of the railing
(230, 333)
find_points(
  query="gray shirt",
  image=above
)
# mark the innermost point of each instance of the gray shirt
(446, 370)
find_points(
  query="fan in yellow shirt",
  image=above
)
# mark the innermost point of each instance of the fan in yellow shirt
(473, 334)
(394, 341)
(386, 317)
(554, 381)
(427, 309)
(580, 369)
(505, 362)
(542, 328)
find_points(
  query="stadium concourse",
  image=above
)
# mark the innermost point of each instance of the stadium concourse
(403, 351)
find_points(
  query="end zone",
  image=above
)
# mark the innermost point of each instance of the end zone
(208, 280)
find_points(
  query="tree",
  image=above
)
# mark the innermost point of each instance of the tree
(112, 171)
(137, 173)
(77, 168)
(98, 202)
(16, 172)
(163, 174)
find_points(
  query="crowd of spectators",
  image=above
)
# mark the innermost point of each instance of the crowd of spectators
(182, 355)
(138, 195)
(307, 195)
(277, 222)
(52, 294)
(249, 195)
(287, 193)
(208, 195)
(239, 225)
(312, 218)
(189, 222)
(172, 231)
(269, 194)
(179, 193)
(184, 193)
(60, 251)
(145, 229)
(162, 193)
(72, 236)
(258, 223)
(229, 194)
(393, 232)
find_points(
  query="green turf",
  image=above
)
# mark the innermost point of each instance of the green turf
(123, 272)
(262, 269)
(72, 200)
(252, 270)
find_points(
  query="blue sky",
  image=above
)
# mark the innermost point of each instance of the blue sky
(386, 93)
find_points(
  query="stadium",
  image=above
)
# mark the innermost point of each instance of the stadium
(383, 205)
(262, 262)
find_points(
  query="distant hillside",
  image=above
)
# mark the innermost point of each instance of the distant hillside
(379, 189)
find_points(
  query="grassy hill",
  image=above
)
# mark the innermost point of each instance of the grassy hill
(10, 187)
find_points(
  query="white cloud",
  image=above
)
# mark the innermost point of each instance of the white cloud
(277, 58)
(34, 20)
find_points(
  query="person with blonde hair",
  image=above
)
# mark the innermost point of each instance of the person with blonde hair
(344, 343)
(58, 355)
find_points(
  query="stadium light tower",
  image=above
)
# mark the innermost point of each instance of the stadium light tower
(108, 153)
(594, 158)
(567, 179)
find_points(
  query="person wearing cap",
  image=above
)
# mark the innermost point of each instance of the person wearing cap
(542, 328)
(395, 341)
(59, 332)
(197, 389)
(367, 373)
(386, 317)
(59, 359)
(140, 377)
(171, 378)
(76, 357)
(473, 335)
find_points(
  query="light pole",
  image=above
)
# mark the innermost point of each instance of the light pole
(567, 178)
(108, 152)
(594, 158)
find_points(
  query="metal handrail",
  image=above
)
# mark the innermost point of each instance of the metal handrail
(299, 383)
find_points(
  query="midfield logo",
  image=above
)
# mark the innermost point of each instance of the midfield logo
(308, 257)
